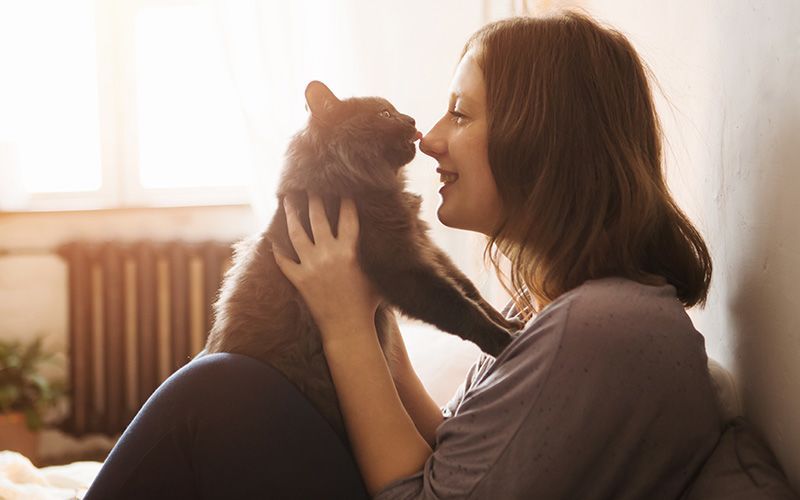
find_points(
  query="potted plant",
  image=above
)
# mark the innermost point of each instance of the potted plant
(25, 394)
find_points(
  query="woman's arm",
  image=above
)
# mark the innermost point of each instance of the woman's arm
(385, 440)
(425, 412)
(418, 403)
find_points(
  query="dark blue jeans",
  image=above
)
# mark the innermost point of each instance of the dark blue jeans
(228, 426)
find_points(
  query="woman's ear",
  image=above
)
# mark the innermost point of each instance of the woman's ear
(320, 100)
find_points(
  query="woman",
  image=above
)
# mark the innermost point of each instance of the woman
(553, 137)
(551, 148)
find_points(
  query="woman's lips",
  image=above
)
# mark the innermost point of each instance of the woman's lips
(447, 176)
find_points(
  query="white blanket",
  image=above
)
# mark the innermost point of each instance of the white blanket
(20, 479)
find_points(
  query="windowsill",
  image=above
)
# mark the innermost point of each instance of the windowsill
(125, 209)
(26, 233)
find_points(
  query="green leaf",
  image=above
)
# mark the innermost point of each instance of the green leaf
(8, 395)
(33, 419)
(22, 386)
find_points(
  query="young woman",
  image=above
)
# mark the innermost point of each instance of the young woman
(551, 147)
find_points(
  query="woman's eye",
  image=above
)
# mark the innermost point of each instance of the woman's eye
(457, 116)
(385, 113)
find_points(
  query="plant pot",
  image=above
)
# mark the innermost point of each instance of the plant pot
(15, 436)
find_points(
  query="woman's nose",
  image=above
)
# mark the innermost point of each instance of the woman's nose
(432, 146)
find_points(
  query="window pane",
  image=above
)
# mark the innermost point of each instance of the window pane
(48, 94)
(190, 126)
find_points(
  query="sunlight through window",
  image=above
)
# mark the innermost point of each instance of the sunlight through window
(191, 130)
(48, 94)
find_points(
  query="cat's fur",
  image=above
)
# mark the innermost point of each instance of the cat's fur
(350, 148)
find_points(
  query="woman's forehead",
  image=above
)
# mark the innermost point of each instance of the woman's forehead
(467, 84)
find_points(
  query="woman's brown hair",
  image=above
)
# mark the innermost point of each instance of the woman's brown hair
(575, 150)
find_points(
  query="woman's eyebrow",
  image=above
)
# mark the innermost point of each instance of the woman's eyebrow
(458, 95)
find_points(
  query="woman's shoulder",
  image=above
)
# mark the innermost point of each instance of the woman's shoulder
(624, 307)
(606, 335)
(619, 302)
(610, 293)
(612, 314)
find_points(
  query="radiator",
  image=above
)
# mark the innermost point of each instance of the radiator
(138, 311)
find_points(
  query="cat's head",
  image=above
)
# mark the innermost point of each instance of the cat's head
(367, 129)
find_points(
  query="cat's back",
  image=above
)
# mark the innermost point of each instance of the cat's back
(257, 310)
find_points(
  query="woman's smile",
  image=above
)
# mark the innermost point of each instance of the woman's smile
(460, 140)
(446, 176)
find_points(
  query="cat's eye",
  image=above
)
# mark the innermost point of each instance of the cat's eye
(385, 113)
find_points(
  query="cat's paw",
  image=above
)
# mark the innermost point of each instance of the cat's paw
(512, 325)
(517, 324)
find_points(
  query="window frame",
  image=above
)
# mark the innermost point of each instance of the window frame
(118, 141)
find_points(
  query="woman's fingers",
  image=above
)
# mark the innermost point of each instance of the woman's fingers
(288, 266)
(297, 234)
(320, 227)
(348, 221)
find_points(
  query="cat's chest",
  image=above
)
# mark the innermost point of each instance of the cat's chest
(412, 202)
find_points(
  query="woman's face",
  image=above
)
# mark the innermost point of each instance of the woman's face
(458, 142)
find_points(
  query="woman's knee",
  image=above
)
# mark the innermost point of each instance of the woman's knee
(226, 380)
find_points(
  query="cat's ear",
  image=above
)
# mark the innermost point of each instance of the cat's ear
(320, 100)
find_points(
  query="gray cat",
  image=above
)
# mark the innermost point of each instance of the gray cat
(350, 148)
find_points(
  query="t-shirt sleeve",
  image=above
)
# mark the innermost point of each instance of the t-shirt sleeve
(487, 411)
(475, 371)
(478, 367)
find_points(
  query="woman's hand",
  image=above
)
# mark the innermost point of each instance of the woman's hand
(329, 277)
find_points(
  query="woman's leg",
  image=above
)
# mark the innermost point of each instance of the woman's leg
(228, 426)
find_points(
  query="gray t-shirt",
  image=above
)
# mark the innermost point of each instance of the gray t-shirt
(604, 394)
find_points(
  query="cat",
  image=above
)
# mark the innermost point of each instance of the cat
(356, 148)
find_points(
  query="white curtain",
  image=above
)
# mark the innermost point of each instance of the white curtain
(273, 50)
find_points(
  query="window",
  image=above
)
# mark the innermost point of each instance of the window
(49, 124)
(118, 103)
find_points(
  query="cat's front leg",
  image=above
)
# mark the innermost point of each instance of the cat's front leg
(472, 292)
(393, 254)
(422, 293)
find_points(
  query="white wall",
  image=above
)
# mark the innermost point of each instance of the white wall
(730, 69)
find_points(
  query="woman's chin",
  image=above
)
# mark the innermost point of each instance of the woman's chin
(442, 215)
(446, 218)
(454, 222)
